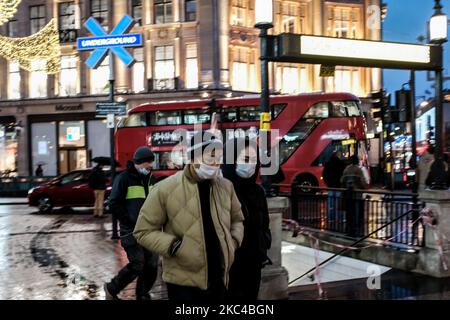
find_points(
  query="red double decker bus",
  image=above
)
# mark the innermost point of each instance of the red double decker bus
(311, 127)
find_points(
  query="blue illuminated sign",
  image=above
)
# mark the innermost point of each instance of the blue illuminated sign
(115, 42)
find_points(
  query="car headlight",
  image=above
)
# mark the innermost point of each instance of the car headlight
(31, 191)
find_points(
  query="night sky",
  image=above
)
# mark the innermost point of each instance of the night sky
(406, 20)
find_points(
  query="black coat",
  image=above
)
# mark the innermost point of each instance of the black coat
(257, 236)
(129, 191)
(97, 179)
(332, 172)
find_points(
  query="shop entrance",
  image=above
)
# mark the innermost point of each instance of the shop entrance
(72, 159)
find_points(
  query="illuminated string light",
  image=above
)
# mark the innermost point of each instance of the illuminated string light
(8, 9)
(38, 52)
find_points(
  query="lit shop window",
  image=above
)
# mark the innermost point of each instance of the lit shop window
(242, 13)
(139, 71)
(345, 80)
(38, 79)
(291, 17)
(100, 78)
(68, 76)
(164, 68)
(343, 22)
(291, 79)
(244, 70)
(14, 81)
(191, 66)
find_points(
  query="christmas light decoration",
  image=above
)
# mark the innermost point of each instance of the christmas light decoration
(7, 9)
(38, 52)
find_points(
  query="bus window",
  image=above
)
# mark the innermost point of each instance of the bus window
(135, 120)
(229, 115)
(276, 109)
(333, 146)
(338, 109)
(318, 111)
(196, 116)
(353, 109)
(295, 137)
(249, 113)
(169, 160)
(164, 118)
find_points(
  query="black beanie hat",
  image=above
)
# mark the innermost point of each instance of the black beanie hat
(143, 154)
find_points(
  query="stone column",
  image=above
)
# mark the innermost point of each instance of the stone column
(207, 53)
(430, 260)
(274, 282)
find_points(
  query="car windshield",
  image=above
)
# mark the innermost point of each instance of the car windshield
(72, 177)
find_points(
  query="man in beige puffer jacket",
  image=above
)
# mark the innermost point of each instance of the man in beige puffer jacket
(193, 219)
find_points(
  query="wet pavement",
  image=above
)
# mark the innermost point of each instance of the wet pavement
(68, 255)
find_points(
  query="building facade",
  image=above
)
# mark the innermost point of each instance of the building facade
(193, 49)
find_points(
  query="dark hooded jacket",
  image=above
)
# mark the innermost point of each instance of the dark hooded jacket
(129, 191)
(332, 172)
(257, 237)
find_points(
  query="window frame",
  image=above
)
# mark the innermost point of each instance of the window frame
(61, 17)
(100, 12)
(189, 14)
(166, 18)
(165, 60)
(137, 7)
(40, 19)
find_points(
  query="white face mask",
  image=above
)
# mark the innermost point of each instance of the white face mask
(206, 172)
(143, 171)
(245, 170)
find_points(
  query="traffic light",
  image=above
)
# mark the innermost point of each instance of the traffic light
(381, 102)
(403, 105)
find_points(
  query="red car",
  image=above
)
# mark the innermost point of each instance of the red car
(69, 190)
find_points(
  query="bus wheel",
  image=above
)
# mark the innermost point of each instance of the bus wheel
(304, 181)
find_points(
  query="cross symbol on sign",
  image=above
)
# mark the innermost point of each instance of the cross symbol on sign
(116, 41)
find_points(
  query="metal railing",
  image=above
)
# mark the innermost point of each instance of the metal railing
(20, 185)
(358, 213)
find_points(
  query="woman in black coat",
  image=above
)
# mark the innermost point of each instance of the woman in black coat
(251, 257)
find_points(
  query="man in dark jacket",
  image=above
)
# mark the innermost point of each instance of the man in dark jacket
(129, 191)
(332, 174)
(97, 182)
(353, 178)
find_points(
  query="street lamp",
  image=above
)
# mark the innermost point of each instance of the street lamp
(438, 35)
(438, 25)
(264, 22)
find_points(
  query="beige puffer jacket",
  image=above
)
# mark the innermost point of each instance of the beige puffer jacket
(173, 210)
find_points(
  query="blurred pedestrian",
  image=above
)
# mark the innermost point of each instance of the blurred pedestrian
(97, 182)
(251, 257)
(332, 174)
(194, 220)
(129, 191)
(39, 171)
(423, 167)
(436, 175)
(353, 178)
